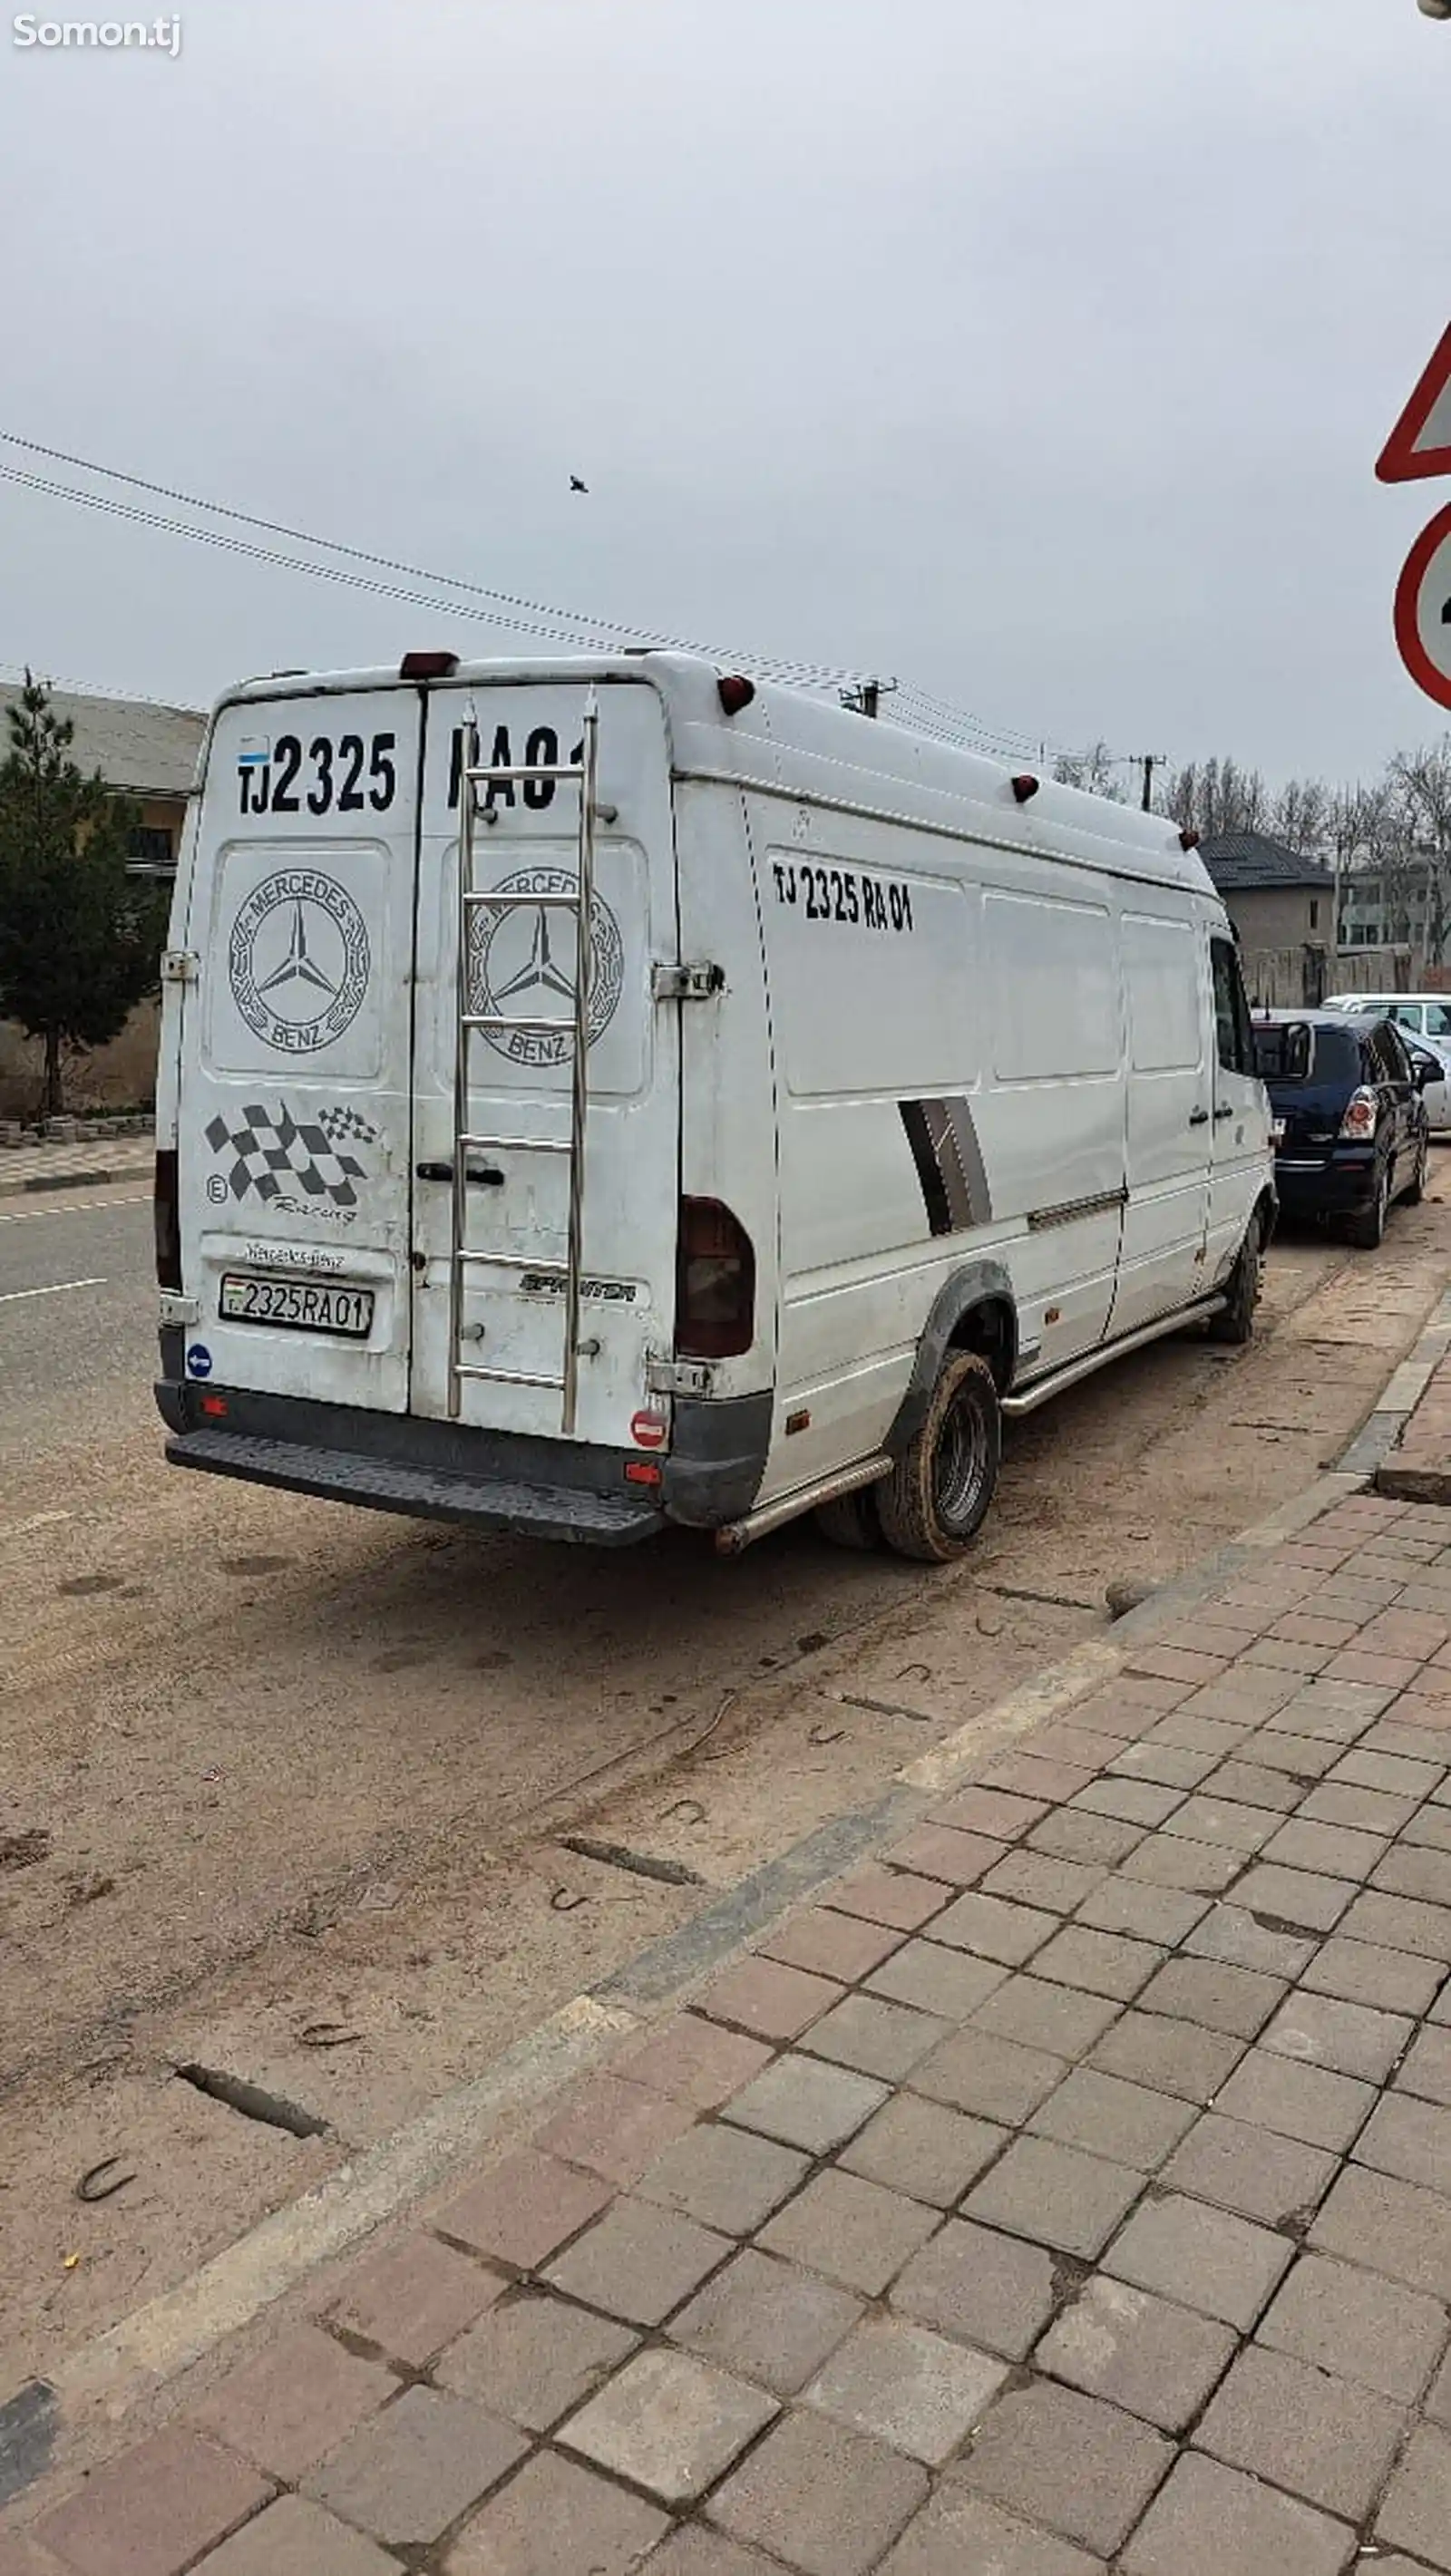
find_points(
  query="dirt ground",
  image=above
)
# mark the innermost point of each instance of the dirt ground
(294, 1777)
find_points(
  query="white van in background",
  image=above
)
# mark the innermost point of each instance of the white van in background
(897, 1094)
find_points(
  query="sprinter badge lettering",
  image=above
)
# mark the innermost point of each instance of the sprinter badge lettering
(521, 967)
(299, 960)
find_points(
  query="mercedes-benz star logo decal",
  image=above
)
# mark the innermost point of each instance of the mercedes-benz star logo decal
(299, 960)
(538, 974)
(297, 967)
(521, 959)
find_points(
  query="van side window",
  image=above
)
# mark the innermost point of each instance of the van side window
(1234, 1035)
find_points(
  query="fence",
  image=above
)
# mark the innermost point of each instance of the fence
(1299, 979)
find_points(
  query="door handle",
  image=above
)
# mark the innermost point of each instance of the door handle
(1223, 1113)
(480, 1176)
(1199, 1118)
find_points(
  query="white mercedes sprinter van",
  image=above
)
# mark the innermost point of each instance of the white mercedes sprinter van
(603, 1092)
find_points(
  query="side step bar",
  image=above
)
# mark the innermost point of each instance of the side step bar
(736, 1536)
(1044, 1389)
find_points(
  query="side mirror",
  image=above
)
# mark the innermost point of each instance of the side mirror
(1424, 1069)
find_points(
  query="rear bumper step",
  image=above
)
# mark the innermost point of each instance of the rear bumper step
(427, 1493)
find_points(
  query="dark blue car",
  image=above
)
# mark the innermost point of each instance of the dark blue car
(1350, 1126)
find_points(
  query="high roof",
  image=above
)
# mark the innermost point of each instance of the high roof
(787, 742)
(139, 748)
(1251, 863)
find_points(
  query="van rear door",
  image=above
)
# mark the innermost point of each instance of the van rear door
(521, 968)
(294, 1130)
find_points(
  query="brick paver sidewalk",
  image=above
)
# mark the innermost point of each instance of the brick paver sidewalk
(27, 1168)
(1419, 1467)
(1070, 2189)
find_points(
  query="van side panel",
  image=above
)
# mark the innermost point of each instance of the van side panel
(1169, 1125)
(1053, 1115)
(951, 1080)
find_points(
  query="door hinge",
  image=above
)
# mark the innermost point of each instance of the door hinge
(679, 1377)
(180, 965)
(686, 983)
(174, 1309)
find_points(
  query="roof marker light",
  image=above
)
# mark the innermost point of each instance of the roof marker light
(1025, 786)
(428, 666)
(1189, 840)
(735, 692)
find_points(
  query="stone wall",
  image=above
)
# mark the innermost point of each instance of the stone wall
(119, 1076)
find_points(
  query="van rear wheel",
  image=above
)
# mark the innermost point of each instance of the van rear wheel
(937, 1496)
(850, 1520)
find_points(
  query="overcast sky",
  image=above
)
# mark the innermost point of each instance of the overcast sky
(1038, 350)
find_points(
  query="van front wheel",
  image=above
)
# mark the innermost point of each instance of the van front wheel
(936, 1498)
(1235, 1321)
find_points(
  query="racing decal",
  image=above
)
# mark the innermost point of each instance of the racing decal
(299, 960)
(949, 1164)
(291, 1163)
(521, 966)
(847, 895)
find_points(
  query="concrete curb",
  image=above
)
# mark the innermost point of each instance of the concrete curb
(1381, 1431)
(139, 1167)
(131, 2361)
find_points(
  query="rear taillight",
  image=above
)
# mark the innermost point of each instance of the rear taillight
(1361, 1112)
(168, 1223)
(715, 1294)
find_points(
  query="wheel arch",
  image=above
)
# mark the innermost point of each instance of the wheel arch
(974, 1310)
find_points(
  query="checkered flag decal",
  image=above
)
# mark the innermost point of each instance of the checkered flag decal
(270, 1154)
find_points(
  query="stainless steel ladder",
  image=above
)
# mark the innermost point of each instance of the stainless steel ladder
(471, 900)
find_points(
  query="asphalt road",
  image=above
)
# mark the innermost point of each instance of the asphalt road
(77, 1312)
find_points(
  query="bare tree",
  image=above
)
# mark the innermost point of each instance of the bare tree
(1421, 785)
(1096, 769)
(1299, 815)
(1214, 796)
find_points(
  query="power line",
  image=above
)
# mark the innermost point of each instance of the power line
(918, 709)
(558, 624)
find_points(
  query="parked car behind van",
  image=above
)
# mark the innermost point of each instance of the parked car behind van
(1424, 1020)
(1351, 1134)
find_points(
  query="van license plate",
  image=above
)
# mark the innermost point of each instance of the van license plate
(298, 1306)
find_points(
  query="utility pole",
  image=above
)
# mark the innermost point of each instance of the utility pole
(1149, 761)
(867, 700)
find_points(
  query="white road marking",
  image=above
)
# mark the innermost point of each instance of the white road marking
(95, 1207)
(11, 1296)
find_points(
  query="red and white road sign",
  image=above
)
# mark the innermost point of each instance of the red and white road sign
(1420, 443)
(1423, 610)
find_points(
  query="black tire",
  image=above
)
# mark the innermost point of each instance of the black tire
(851, 1521)
(937, 1496)
(1367, 1230)
(1417, 1191)
(1236, 1322)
